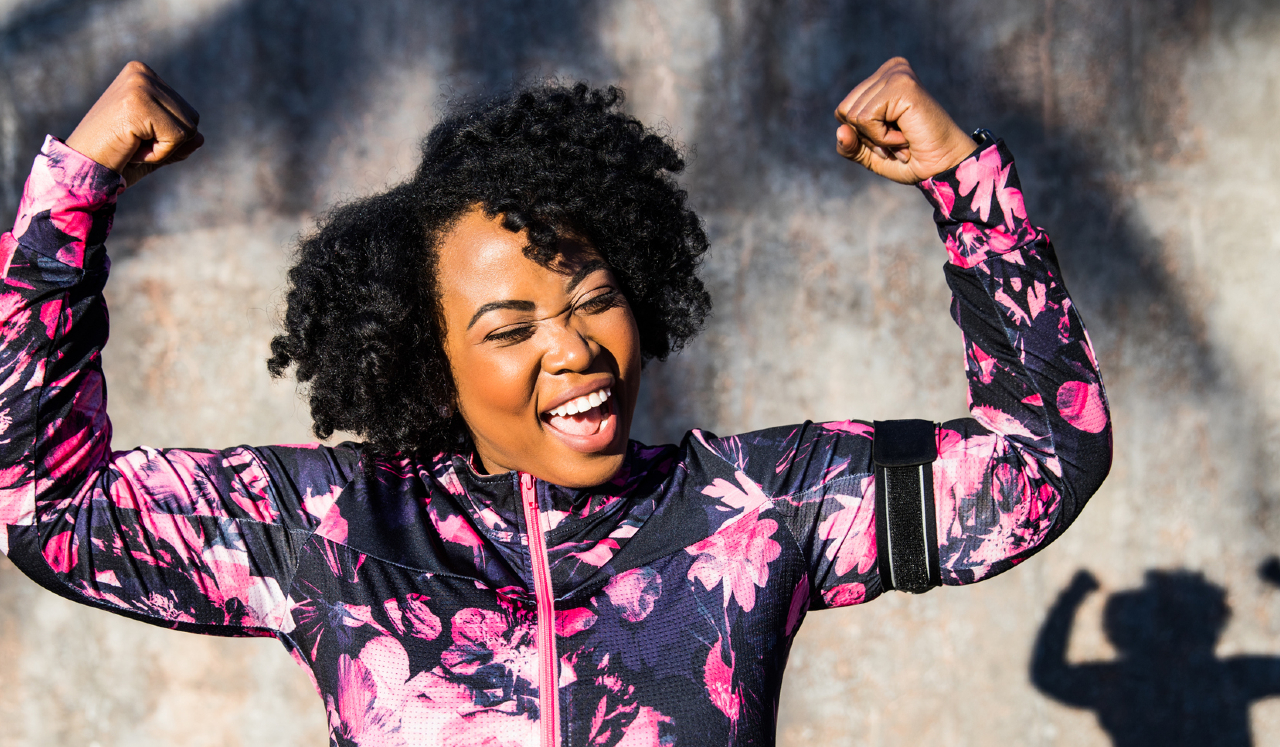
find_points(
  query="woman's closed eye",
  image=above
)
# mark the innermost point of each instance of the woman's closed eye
(511, 335)
(607, 299)
(598, 303)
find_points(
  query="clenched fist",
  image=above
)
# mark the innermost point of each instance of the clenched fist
(138, 125)
(892, 126)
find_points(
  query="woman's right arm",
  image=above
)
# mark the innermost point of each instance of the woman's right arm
(201, 540)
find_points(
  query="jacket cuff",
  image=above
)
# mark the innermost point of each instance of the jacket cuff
(72, 193)
(978, 206)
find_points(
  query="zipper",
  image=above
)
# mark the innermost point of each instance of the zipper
(548, 674)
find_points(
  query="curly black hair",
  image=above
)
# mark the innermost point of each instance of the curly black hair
(363, 325)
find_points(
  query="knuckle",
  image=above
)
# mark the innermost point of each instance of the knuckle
(901, 75)
(136, 98)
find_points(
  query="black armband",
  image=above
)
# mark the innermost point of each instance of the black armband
(906, 524)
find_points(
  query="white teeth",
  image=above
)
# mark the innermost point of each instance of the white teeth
(582, 404)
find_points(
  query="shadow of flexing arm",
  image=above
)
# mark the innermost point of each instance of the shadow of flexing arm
(1166, 686)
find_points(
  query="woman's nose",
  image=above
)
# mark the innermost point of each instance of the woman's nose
(570, 351)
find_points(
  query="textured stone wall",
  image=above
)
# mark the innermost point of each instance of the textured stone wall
(1144, 131)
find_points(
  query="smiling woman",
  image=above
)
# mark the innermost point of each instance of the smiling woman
(546, 358)
(513, 198)
(498, 563)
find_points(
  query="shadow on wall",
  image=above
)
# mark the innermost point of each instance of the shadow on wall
(1166, 685)
(278, 82)
(786, 64)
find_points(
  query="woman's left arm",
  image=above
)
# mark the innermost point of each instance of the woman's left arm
(1014, 475)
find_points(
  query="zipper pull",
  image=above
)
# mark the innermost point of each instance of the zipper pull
(527, 491)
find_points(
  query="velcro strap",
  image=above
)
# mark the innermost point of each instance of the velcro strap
(906, 527)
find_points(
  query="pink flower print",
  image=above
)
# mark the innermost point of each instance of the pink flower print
(799, 603)
(379, 704)
(16, 319)
(738, 555)
(437, 708)
(943, 196)
(980, 176)
(983, 363)
(1036, 299)
(1010, 199)
(1000, 422)
(635, 592)
(600, 553)
(718, 678)
(50, 315)
(449, 480)
(1024, 523)
(612, 709)
(1015, 311)
(413, 617)
(231, 579)
(852, 528)
(850, 427)
(1088, 344)
(456, 529)
(955, 479)
(486, 728)
(62, 551)
(357, 716)
(334, 526)
(749, 496)
(340, 562)
(645, 730)
(253, 476)
(1081, 405)
(318, 504)
(845, 595)
(484, 640)
(573, 621)
(977, 244)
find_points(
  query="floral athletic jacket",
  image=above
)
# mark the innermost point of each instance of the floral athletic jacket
(433, 605)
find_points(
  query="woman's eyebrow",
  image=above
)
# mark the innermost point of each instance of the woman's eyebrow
(578, 276)
(585, 270)
(495, 305)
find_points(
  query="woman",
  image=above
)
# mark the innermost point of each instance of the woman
(498, 563)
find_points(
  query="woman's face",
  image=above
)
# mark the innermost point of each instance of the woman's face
(533, 349)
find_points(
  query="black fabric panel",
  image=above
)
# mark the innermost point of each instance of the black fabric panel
(906, 531)
(899, 443)
(931, 528)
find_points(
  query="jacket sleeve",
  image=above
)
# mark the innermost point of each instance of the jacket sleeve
(1010, 478)
(205, 541)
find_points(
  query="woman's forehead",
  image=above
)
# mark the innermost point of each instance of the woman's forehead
(480, 261)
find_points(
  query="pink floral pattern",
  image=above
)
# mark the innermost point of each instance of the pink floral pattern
(737, 557)
(404, 586)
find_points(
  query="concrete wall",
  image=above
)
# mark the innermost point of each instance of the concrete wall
(1144, 131)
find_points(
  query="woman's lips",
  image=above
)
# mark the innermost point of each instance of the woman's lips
(586, 432)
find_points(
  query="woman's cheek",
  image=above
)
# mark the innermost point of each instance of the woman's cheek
(494, 385)
(509, 380)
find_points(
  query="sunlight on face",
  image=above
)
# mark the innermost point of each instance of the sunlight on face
(546, 360)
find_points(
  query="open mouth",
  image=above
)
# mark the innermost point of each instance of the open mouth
(586, 424)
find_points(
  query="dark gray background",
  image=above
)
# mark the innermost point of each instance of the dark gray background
(1144, 132)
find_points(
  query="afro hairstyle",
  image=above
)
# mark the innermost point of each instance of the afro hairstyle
(362, 326)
